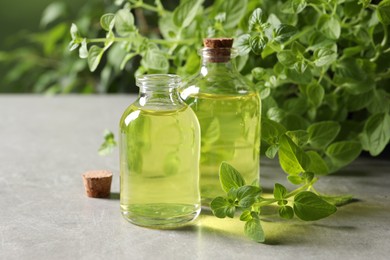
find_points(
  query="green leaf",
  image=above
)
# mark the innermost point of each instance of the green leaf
(234, 11)
(156, 62)
(107, 21)
(287, 58)
(300, 78)
(74, 32)
(286, 212)
(246, 195)
(308, 206)
(83, 51)
(124, 22)
(222, 208)
(329, 26)
(315, 93)
(383, 12)
(107, 147)
(337, 200)
(291, 157)
(284, 32)
(242, 44)
(230, 177)
(254, 230)
(94, 56)
(324, 57)
(295, 179)
(52, 12)
(257, 43)
(317, 164)
(344, 152)
(272, 151)
(294, 6)
(185, 13)
(299, 137)
(279, 191)
(376, 133)
(380, 102)
(246, 215)
(271, 130)
(323, 133)
(255, 19)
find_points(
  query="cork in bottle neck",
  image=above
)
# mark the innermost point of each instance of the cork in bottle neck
(217, 50)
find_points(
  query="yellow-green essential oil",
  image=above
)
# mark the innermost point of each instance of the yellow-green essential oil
(159, 146)
(230, 132)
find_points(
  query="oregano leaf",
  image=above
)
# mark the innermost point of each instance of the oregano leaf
(292, 158)
(230, 177)
(254, 230)
(308, 206)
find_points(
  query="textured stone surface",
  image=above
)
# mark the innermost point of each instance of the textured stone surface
(48, 142)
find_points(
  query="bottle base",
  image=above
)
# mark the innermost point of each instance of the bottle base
(160, 216)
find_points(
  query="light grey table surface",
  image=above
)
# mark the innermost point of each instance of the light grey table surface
(46, 143)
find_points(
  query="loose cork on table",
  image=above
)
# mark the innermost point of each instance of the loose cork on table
(97, 183)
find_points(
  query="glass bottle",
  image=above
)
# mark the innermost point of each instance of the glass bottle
(159, 156)
(228, 110)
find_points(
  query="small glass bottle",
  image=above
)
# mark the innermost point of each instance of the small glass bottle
(228, 110)
(159, 156)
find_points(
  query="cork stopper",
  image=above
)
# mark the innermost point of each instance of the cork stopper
(97, 183)
(215, 43)
(217, 49)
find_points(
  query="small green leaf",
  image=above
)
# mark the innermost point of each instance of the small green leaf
(246, 195)
(230, 177)
(53, 12)
(124, 22)
(383, 12)
(284, 32)
(323, 133)
(234, 11)
(185, 13)
(315, 93)
(246, 215)
(295, 179)
(155, 61)
(344, 152)
(94, 56)
(376, 133)
(254, 230)
(287, 58)
(74, 32)
(222, 208)
(324, 57)
(338, 200)
(317, 164)
(242, 44)
(308, 206)
(272, 151)
(83, 51)
(109, 143)
(255, 19)
(107, 21)
(329, 26)
(286, 212)
(291, 157)
(257, 43)
(279, 191)
(299, 137)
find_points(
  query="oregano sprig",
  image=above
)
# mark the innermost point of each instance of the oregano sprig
(246, 201)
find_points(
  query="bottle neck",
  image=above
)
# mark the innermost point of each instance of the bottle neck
(159, 90)
(217, 59)
(159, 97)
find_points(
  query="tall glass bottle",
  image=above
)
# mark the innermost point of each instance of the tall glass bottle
(228, 110)
(159, 156)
